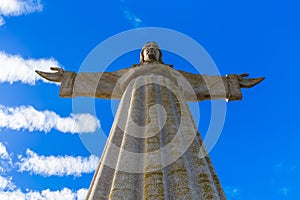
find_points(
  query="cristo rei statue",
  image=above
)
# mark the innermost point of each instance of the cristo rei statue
(154, 150)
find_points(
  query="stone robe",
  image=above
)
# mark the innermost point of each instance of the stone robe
(154, 150)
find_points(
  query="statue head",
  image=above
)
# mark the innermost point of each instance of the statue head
(150, 52)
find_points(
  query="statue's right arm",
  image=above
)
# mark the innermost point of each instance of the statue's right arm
(99, 84)
(55, 77)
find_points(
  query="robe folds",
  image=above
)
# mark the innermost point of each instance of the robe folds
(154, 150)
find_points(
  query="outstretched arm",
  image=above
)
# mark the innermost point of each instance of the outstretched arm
(99, 84)
(220, 87)
(54, 77)
(248, 82)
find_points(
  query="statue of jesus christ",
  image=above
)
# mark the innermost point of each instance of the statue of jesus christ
(154, 150)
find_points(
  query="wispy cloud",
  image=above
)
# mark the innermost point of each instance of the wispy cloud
(130, 15)
(3, 152)
(284, 172)
(28, 118)
(65, 194)
(57, 165)
(6, 183)
(1, 21)
(81, 193)
(233, 193)
(5, 160)
(18, 7)
(14, 68)
(283, 190)
(5, 165)
(284, 168)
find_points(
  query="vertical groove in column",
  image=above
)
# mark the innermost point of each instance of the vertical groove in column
(208, 163)
(184, 122)
(176, 173)
(211, 186)
(206, 179)
(215, 179)
(153, 181)
(164, 156)
(204, 187)
(102, 181)
(126, 184)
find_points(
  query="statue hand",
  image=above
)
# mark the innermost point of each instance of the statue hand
(248, 82)
(55, 77)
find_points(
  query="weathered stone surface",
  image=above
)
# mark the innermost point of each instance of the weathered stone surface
(113, 84)
(174, 172)
(154, 150)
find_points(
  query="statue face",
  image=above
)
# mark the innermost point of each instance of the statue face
(151, 52)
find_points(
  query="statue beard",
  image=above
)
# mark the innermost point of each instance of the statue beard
(152, 56)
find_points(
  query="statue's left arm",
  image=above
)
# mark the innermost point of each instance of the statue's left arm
(219, 87)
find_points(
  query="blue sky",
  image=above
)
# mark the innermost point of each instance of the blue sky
(41, 154)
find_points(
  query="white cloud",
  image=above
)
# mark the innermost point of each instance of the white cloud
(9, 191)
(65, 194)
(14, 68)
(5, 159)
(6, 183)
(57, 165)
(3, 151)
(1, 21)
(28, 118)
(18, 7)
(81, 193)
(130, 16)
